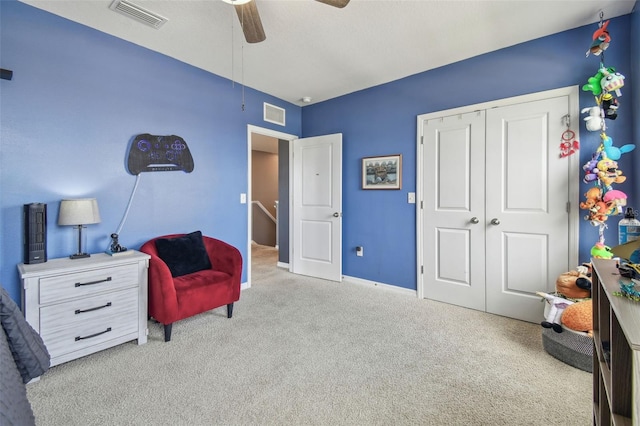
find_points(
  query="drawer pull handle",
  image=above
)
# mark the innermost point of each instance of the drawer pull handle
(93, 282)
(81, 311)
(93, 335)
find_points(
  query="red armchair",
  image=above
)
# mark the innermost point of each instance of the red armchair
(172, 298)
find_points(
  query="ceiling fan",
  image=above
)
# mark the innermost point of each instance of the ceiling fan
(250, 19)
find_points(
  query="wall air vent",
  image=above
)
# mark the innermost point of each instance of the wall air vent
(274, 114)
(138, 13)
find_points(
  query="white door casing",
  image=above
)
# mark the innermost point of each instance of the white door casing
(251, 129)
(463, 257)
(316, 234)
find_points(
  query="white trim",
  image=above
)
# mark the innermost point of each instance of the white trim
(573, 93)
(283, 265)
(275, 134)
(386, 287)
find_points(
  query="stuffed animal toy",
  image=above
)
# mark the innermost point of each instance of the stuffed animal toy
(608, 173)
(611, 81)
(617, 198)
(600, 251)
(579, 317)
(601, 40)
(599, 213)
(594, 83)
(591, 169)
(557, 306)
(609, 106)
(613, 152)
(593, 121)
(592, 197)
(574, 284)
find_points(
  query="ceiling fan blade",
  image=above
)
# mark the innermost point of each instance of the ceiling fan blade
(335, 3)
(250, 21)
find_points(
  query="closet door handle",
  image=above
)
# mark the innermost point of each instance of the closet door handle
(495, 221)
(474, 220)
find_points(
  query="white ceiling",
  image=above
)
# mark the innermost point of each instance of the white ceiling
(322, 52)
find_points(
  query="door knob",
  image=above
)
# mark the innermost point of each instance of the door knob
(336, 214)
(475, 220)
(495, 221)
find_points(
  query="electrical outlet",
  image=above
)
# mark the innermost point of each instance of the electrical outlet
(359, 251)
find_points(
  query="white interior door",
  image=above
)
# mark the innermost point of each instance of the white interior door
(496, 225)
(316, 234)
(454, 237)
(526, 208)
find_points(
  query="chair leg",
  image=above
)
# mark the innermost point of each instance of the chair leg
(229, 310)
(167, 332)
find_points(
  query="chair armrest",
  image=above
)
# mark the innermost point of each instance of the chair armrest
(163, 301)
(224, 257)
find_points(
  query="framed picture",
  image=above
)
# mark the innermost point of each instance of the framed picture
(382, 172)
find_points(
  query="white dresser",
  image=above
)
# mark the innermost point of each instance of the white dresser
(81, 306)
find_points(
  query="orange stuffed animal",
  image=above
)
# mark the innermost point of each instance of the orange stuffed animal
(579, 317)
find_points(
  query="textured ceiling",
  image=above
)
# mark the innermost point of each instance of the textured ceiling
(317, 51)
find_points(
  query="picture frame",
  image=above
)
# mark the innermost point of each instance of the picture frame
(382, 172)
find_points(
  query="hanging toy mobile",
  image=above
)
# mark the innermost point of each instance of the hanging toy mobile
(603, 200)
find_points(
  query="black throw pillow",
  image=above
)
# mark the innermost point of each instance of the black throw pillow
(184, 255)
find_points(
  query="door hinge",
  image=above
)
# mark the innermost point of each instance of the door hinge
(422, 269)
(421, 140)
(568, 206)
(421, 205)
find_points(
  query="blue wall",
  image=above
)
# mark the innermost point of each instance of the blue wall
(77, 98)
(382, 120)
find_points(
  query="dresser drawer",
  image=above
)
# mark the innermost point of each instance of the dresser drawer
(79, 284)
(77, 324)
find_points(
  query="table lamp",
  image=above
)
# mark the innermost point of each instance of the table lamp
(79, 212)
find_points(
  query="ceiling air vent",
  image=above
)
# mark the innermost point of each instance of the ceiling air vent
(138, 13)
(274, 114)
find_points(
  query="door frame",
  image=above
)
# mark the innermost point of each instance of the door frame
(279, 135)
(573, 93)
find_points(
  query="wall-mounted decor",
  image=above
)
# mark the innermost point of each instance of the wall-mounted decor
(151, 153)
(382, 172)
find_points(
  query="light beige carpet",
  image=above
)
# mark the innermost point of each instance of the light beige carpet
(302, 351)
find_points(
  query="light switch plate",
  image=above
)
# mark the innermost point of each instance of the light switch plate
(411, 197)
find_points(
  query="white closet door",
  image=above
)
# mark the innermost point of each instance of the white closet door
(495, 221)
(527, 193)
(454, 236)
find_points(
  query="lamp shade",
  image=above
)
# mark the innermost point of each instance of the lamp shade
(80, 211)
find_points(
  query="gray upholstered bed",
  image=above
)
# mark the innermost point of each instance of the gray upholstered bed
(23, 356)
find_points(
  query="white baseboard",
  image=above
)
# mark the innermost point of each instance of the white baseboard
(354, 280)
(283, 265)
(386, 287)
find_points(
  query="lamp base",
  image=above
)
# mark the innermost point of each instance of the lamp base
(79, 256)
